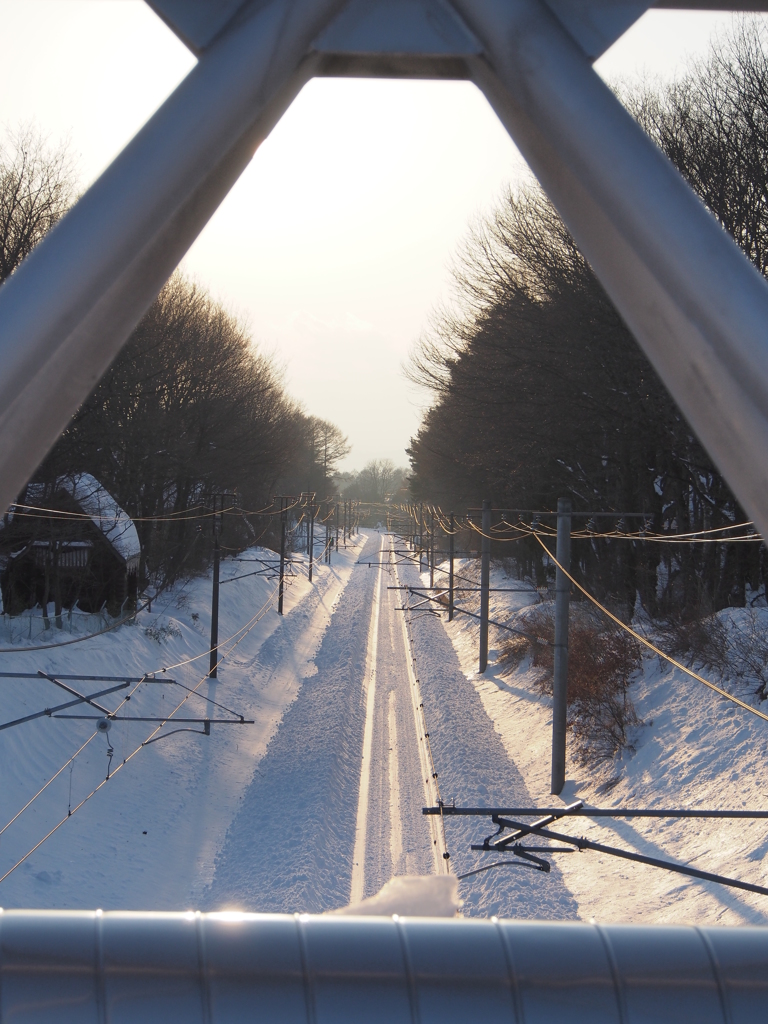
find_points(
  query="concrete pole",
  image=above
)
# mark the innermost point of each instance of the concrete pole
(421, 533)
(560, 680)
(450, 573)
(311, 529)
(485, 584)
(282, 558)
(432, 549)
(214, 661)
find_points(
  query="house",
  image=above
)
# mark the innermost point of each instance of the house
(70, 543)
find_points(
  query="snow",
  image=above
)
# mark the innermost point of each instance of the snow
(269, 816)
(291, 848)
(412, 896)
(116, 525)
(695, 750)
(96, 501)
(149, 837)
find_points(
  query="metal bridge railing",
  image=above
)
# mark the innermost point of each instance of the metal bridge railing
(227, 968)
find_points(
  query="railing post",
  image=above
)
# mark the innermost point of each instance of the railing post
(485, 584)
(450, 572)
(560, 679)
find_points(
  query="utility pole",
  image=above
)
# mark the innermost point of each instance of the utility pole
(311, 531)
(282, 557)
(485, 584)
(432, 548)
(450, 573)
(336, 523)
(345, 525)
(421, 533)
(214, 660)
(560, 680)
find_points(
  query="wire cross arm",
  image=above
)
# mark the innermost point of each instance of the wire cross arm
(205, 731)
(51, 712)
(75, 693)
(593, 812)
(88, 679)
(138, 718)
(613, 851)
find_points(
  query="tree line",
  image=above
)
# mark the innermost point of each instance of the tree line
(190, 408)
(538, 390)
(379, 481)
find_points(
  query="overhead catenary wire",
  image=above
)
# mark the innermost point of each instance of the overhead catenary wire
(149, 739)
(70, 760)
(149, 676)
(107, 629)
(651, 646)
(695, 536)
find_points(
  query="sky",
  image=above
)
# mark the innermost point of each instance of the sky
(335, 245)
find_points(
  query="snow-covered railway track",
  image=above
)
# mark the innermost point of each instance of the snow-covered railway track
(293, 844)
(392, 791)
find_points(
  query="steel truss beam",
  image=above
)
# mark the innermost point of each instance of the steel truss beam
(696, 305)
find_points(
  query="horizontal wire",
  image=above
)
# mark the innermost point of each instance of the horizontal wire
(651, 646)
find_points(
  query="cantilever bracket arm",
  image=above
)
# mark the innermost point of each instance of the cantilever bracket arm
(51, 712)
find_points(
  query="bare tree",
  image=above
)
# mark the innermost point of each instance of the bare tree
(713, 125)
(332, 444)
(376, 481)
(36, 188)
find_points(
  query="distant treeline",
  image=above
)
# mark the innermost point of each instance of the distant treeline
(190, 408)
(539, 390)
(378, 481)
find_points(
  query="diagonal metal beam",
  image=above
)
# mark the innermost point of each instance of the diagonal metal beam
(66, 312)
(89, 699)
(696, 305)
(76, 693)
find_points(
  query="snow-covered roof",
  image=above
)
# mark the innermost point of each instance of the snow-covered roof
(116, 525)
(96, 501)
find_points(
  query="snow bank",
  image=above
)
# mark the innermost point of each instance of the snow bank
(695, 749)
(411, 896)
(149, 837)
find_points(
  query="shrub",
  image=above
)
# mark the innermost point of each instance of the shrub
(161, 633)
(601, 661)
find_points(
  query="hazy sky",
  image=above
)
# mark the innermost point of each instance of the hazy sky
(335, 244)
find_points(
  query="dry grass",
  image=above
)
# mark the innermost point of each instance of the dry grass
(730, 650)
(701, 641)
(601, 661)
